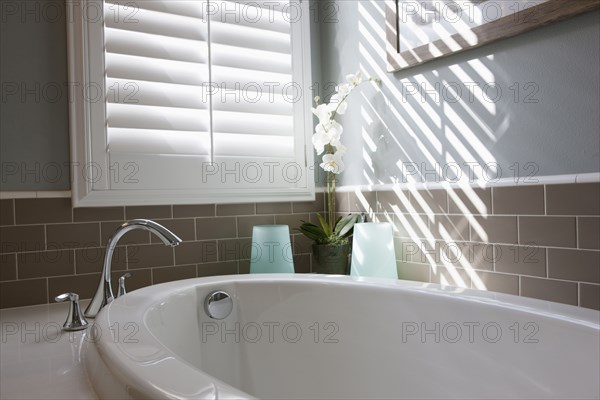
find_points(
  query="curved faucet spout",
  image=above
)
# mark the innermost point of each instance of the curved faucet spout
(104, 293)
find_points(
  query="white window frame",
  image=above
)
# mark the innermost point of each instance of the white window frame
(89, 157)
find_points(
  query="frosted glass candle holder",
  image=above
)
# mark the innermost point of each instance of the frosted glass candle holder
(271, 250)
(373, 253)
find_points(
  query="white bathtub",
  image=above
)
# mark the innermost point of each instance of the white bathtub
(308, 336)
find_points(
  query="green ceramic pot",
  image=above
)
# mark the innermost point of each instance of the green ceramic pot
(330, 258)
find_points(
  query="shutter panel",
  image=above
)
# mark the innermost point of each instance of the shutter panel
(158, 118)
(193, 103)
(253, 121)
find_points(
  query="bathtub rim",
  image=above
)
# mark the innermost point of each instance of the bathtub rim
(131, 374)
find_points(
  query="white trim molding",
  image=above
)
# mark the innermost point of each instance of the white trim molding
(540, 180)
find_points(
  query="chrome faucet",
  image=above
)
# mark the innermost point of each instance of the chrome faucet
(104, 293)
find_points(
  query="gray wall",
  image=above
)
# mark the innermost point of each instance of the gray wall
(34, 137)
(558, 133)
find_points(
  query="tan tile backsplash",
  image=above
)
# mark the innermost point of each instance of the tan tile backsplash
(588, 232)
(550, 289)
(589, 296)
(7, 214)
(474, 201)
(93, 214)
(273, 208)
(495, 229)
(548, 231)
(362, 202)
(430, 201)
(574, 265)
(168, 274)
(201, 210)
(538, 241)
(47, 247)
(496, 282)
(8, 269)
(24, 293)
(42, 211)
(520, 260)
(535, 241)
(149, 255)
(68, 236)
(580, 199)
(40, 264)
(518, 200)
(216, 228)
(148, 212)
(15, 239)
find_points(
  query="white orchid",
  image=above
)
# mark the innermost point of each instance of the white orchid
(319, 141)
(334, 130)
(323, 112)
(328, 139)
(328, 132)
(355, 79)
(343, 89)
(333, 163)
(339, 147)
(337, 104)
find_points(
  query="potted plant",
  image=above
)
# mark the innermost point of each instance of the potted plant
(331, 236)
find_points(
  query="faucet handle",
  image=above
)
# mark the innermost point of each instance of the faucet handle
(122, 289)
(75, 320)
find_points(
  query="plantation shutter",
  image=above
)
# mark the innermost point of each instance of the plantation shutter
(201, 95)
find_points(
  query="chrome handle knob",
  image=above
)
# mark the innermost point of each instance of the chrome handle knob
(218, 304)
(122, 289)
(75, 320)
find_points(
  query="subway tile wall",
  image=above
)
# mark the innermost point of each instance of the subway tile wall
(534, 241)
(48, 248)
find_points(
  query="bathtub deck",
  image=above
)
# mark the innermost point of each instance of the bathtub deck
(37, 361)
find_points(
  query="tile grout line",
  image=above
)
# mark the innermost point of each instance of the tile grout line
(195, 228)
(547, 252)
(545, 200)
(14, 211)
(404, 213)
(45, 237)
(577, 232)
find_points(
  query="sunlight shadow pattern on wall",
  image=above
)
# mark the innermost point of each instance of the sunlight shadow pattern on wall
(444, 133)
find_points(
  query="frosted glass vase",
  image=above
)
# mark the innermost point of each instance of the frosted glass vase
(271, 250)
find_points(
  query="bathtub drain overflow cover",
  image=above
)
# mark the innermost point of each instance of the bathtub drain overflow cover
(218, 304)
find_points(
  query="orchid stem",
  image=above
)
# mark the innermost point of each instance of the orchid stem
(331, 199)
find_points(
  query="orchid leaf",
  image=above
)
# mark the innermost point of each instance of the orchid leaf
(324, 225)
(345, 225)
(312, 231)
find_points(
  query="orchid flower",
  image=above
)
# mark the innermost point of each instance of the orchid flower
(355, 79)
(323, 112)
(333, 163)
